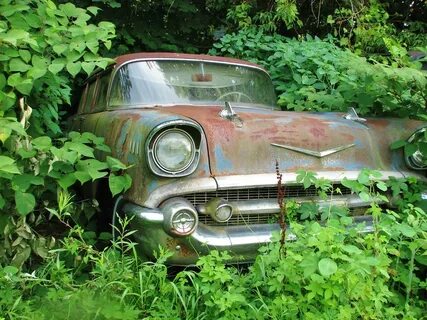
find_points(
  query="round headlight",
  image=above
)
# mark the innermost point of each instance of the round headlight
(174, 150)
(418, 159)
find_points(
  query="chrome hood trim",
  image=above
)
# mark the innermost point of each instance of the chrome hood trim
(314, 153)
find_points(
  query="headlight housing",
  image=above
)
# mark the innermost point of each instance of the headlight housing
(416, 150)
(173, 148)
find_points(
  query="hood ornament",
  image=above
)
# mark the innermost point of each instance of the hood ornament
(228, 113)
(313, 153)
(352, 115)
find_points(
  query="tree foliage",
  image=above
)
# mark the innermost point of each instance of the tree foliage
(379, 30)
(43, 46)
(316, 75)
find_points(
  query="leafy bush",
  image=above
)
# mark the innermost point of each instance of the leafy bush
(331, 271)
(42, 47)
(315, 75)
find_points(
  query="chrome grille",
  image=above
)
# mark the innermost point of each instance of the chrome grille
(293, 191)
(240, 220)
(258, 193)
(265, 218)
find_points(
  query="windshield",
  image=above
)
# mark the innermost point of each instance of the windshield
(190, 82)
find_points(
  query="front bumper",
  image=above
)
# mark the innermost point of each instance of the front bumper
(150, 221)
(241, 242)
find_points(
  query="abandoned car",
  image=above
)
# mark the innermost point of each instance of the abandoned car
(203, 135)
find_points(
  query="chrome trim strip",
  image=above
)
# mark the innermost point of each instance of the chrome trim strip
(190, 185)
(178, 188)
(313, 153)
(269, 179)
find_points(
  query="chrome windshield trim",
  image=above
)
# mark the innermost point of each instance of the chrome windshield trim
(115, 70)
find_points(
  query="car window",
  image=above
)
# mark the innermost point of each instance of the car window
(193, 82)
(101, 93)
(82, 100)
(89, 97)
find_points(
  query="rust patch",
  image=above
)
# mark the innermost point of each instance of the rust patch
(184, 250)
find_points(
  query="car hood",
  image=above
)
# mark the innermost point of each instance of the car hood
(295, 139)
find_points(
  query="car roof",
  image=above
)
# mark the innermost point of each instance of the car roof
(123, 59)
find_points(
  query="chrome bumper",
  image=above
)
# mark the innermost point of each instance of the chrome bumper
(241, 242)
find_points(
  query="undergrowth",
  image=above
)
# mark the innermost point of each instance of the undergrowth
(331, 271)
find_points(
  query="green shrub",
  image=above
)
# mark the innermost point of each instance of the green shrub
(315, 75)
(42, 47)
(330, 272)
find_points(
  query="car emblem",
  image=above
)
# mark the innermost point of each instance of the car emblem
(313, 153)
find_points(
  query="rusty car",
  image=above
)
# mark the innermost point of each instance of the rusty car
(202, 135)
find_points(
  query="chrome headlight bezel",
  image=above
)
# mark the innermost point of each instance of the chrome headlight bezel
(416, 160)
(190, 131)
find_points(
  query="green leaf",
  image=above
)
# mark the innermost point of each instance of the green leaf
(18, 65)
(33, 20)
(93, 10)
(5, 133)
(73, 68)
(410, 149)
(66, 181)
(363, 178)
(42, 143)
(14, 79)
(82, 176)
(327, 267)
(23, 181)
(8, 165)
(59, 48)
(14, 35)
(25, 202)
(36, 73)
(365, 196)
(349, 248)
(406, 230)
(398, 144)
(2, 81)
(119, 184)
(26, 154)
(88, 67)
(56, 67)
(115, 164)
(309, 265)
(2, 202)
(25, 86)
(25, 55)
(39, 67)
(80, 148)
(382, 186)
